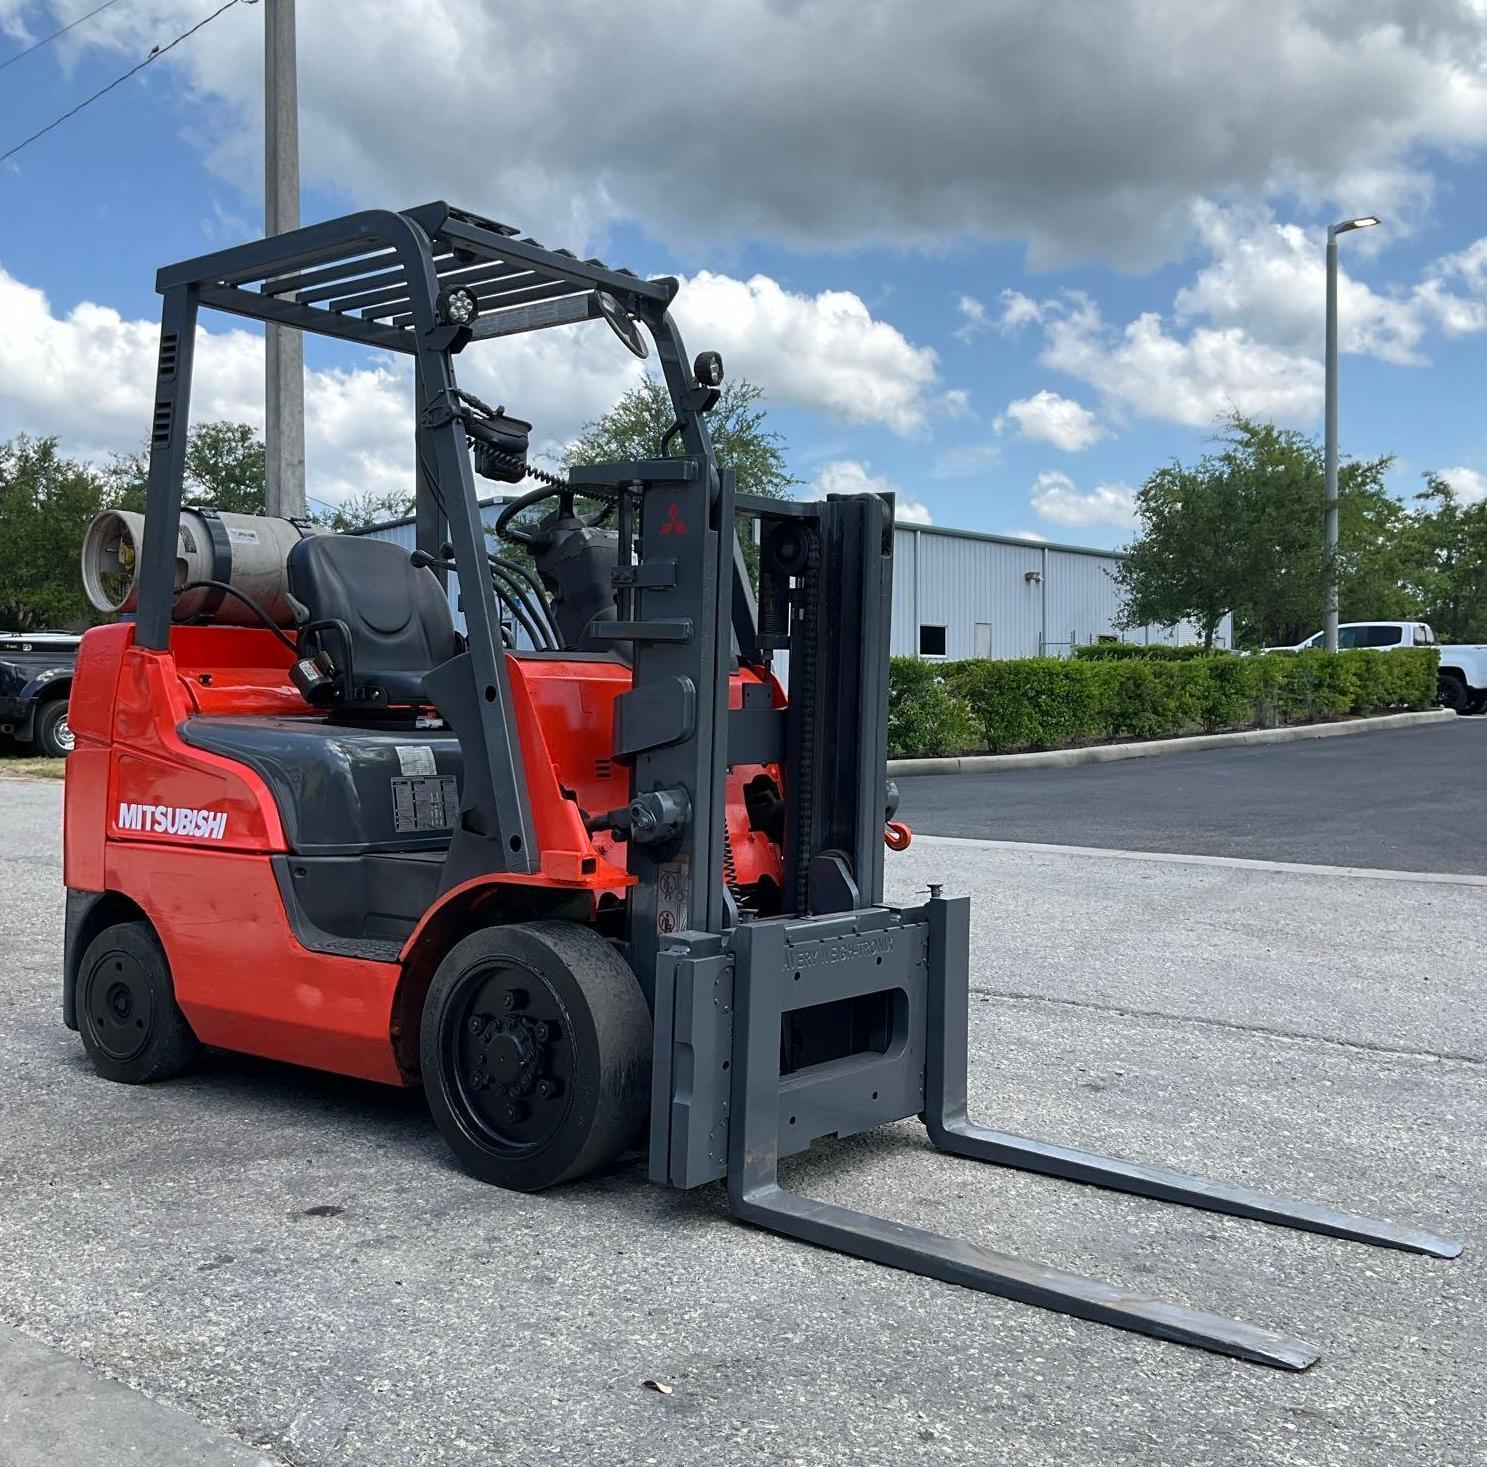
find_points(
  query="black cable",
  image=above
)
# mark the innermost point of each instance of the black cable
(508, 596)
(47, 40)
(247, 601)
(155, 53)
(534, 587)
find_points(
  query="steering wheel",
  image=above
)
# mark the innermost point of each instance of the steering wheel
(519, 535)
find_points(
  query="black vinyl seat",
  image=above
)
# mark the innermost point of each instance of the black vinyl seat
(396, 616)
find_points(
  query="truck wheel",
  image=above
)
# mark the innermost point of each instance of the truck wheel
(536, 1053)
(51, 735)
(127, 1015)
(1452, 693)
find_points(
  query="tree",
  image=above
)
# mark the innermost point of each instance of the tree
(1181, 567)
(367, 507)
(226, 469)
(634, 427)
(46, 505)
(1447, 553)
(1241, 532)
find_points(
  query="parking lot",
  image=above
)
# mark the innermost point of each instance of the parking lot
(1403, 799)
(292, 1266)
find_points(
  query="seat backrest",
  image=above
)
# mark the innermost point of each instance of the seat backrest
(396, 613)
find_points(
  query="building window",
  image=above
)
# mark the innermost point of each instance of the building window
(931, 641)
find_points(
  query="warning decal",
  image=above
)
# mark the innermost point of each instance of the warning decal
(424, 804)
(672, 881)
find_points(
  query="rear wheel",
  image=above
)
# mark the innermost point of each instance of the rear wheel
(535, 1048)
(52, 736)
(1453, 693)
(127, 1015)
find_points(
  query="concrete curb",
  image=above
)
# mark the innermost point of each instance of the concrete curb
(1105, 753)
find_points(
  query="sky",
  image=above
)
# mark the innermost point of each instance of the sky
(1004, 257)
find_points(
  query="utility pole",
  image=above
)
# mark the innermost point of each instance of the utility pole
(285, 379)
(1329, 493)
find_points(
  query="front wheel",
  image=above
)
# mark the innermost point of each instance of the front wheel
(535, 1048)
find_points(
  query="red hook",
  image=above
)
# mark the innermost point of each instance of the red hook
(897, 835)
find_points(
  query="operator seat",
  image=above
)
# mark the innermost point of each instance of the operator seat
(395, 615)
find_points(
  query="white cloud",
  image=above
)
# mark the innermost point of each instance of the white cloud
(1469, 484)
(1158, 101)
(956, 403)
(1247, 332)
(1195, 380)
(1056, 497)
(87, 376)
(974, 319)
(851, 476)
(1045, 417)
(823, 352)
(1018, 310)
(1269, 279)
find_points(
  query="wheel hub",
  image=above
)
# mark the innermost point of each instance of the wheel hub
(511, 1054)
(119, 1007)
(512, 1060)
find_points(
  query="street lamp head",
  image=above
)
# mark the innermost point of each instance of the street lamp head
(1366, 221)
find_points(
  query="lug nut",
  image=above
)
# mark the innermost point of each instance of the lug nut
(547, 1089)
(514, 1111)
(543, 1031)
(476, 1024)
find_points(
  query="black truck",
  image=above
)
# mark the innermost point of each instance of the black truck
(35, 681)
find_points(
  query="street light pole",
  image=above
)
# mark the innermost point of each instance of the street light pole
(285, 354)
(1329, 497)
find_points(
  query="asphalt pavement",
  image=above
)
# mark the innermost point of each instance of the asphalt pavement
(1408, 799)
(288, 1262)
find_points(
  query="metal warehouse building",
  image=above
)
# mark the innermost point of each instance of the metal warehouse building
(959, 593)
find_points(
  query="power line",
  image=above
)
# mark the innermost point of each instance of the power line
(154, 55)
(47, 40)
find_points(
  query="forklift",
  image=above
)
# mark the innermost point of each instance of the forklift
(583, 869)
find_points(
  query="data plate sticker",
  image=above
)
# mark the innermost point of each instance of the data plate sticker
(416, 759)
(424, 804)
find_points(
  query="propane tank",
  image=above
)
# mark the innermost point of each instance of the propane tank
(246, 551)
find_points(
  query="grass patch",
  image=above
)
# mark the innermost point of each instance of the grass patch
(17, 764)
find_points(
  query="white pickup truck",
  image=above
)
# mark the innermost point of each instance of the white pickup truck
(1463, 670)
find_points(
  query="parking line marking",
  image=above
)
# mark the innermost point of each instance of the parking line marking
(1244, 863)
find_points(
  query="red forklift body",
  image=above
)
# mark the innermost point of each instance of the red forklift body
(186, 835)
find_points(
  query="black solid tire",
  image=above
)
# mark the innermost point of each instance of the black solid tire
(1453, 694)
(47, 734)
(602, 1010)
(132, 1028)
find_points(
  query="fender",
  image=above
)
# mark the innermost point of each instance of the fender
(45, 680)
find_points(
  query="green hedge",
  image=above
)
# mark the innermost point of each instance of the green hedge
(925, 717)
(1122, 651)
(1050, 702)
